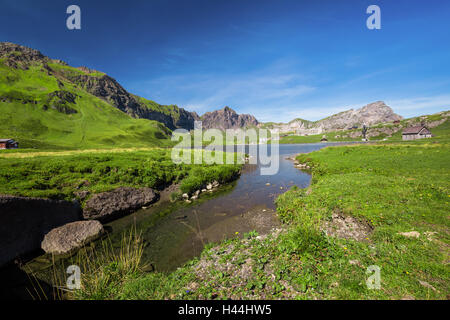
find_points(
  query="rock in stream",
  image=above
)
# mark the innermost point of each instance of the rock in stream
(110, 205)
(69, 237)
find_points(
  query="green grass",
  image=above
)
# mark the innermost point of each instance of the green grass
(330, 136)
(105, 269)
(30, 116)
(394, 188)
(172, 111)
(61, 176)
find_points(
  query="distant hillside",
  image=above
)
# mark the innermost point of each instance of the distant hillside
(109, 90)
(46, 103)
(371, 114)
(392, 131)
(436, 121)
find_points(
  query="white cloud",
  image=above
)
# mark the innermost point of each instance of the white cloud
(423, 105)
(408, 107)
(247, 93)
(277, 94)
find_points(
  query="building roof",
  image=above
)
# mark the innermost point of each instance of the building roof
(415, 130)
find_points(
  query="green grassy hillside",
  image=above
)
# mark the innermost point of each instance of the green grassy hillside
(32, 113)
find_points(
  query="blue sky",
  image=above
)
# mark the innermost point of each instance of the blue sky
(275, 59)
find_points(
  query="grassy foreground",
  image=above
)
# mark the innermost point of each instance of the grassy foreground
(391, 189)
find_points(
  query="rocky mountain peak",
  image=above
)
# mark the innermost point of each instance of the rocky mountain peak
(227, 109)
(370, 114)
(227, 118)
(377, 112)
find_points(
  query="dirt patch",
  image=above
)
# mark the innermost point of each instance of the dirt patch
(347, 227)
(239, 267)
(261, 219)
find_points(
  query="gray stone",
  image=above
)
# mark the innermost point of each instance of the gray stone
(109, 205)
(69, 237)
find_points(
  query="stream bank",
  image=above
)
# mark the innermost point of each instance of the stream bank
(176, 232)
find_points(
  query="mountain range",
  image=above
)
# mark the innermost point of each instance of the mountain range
(46, 102)
(371, 114)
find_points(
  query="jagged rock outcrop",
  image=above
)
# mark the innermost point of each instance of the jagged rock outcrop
(227, 118)
(111, 91)
(59, 101)
(106, 206)
(25, 221)
(19, 56)
(71, 236)
(184, 118)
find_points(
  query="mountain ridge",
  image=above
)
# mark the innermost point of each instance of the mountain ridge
(227, 118)
(69, 90)
(100, 85)
(42, 108)
(370, 114)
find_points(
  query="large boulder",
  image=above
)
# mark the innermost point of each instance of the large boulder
(25, 221)
(109, 205)
(69, 237)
